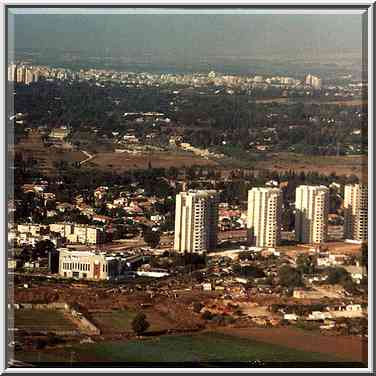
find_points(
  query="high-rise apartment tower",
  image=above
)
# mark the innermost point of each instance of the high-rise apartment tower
(356, 212)
(311, 217)
(264, 216)
(196, 221)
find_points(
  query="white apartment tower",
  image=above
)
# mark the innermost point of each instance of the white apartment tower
(29, 77)
(12, 72)
(196, 221)
(356, 212)
(311, 217)
(264, 216)
(313, 81)
(21, 74)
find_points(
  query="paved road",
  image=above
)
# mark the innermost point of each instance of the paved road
(89, 157)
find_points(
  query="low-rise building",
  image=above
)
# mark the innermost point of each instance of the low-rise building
(90, 265)
(307, 294)
(290, 316)
(318, 315)
(33, 229)
(331, 260)
(87, 234)
(357, 273)
(59, 133)
(64, 229)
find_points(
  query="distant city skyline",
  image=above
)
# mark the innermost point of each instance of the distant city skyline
(190, 37)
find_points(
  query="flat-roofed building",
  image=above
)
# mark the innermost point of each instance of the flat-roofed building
(196, 221)
(264, 216)
(311, 216)
(64, 229)
(87, 234)
(93, 265)
(356, 212)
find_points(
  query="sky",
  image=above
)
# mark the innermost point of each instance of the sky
(190, 36)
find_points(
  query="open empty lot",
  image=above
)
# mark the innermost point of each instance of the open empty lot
(33, 147)
(342, 165)
(350, 348)
(126, 161)
(342, 102)
(42, 320)
(119, 321)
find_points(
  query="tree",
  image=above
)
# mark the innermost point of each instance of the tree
(207, 315)
(338, 275)
(306, 264)
(140, 324)
(197, 307)
(42, 248)
(152, 238)
(289, 276)
(364, 255)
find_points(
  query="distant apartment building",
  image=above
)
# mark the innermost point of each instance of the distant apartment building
(313, 81)
(29, 77)
(356, 212)
(311, 217)
(59, 133)
(22, 74)
(264, 216)
(33, 229)
(64, 229)
(76, 233)
(196, 220)
(86, 235)
(12, 72)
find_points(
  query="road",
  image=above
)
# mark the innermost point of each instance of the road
(167, 242)
(89, 157)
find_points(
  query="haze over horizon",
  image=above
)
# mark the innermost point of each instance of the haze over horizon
(192, 37)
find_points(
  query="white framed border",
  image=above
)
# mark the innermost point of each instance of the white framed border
(367, 4)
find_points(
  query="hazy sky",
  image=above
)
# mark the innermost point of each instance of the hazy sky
(191, 36)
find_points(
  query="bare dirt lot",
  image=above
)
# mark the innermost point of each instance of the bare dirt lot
(110, 307)
(126, 161)
(333, 247)
(34, 147)
(343, 102)
(343, 165)
(346, 347)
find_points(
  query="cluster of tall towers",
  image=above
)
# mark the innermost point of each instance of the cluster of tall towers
(313, 81)
(196, 216)
(22, 74)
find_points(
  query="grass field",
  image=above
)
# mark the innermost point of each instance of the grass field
(208, 347)
(42, 320)
(121, 321)
(116, 320)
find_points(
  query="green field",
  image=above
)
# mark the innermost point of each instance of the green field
(115, 320)
(208, 347)
(121, 320)
(42, 320)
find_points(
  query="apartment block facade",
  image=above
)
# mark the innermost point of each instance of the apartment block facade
(311, 214)
(264, 216)
(356, 212)
(196, 221)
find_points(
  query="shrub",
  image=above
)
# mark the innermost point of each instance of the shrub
(197, 307)
(140, 324)
(207, 315)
